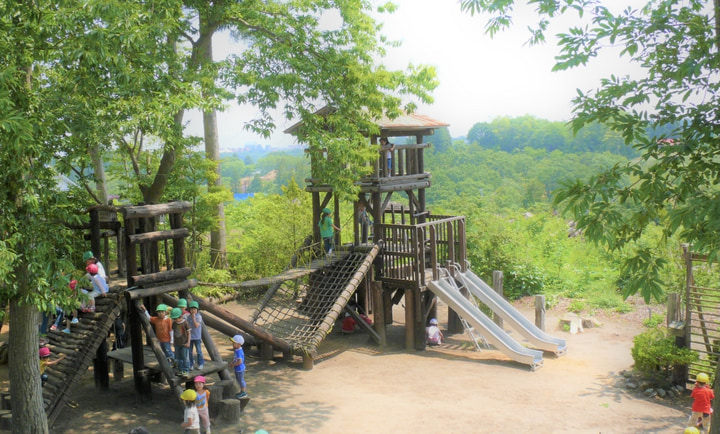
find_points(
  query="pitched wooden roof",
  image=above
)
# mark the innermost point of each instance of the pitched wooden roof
(407, 124)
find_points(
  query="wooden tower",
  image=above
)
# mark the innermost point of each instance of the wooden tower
(413, 241)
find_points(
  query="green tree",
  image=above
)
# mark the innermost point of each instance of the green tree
(663, 115)
(61, 90)
(667, 115)
(441, 140)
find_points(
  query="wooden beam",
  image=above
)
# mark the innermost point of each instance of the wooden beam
(145, 211)
(161, 276)
(174, 234)
(147, 292)
(235, 320)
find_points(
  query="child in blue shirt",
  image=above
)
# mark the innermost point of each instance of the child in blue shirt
(195, 321)
(239, 364)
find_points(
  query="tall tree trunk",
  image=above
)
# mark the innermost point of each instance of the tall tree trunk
(28, 414)
(100, 184)
(212, 151)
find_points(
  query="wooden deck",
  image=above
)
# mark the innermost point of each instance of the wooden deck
(294, 273)
(151, 363)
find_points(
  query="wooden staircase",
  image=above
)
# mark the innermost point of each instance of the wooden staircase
(80, 347)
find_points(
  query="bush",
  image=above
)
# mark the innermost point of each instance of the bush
(655, 354)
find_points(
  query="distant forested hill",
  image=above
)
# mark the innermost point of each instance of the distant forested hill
(508, 134)
(473, 175)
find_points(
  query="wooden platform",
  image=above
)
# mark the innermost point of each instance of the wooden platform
(294, 273)
(151, 363)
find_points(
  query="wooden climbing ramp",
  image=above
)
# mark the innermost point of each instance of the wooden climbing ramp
(302, 312)
(80, 347)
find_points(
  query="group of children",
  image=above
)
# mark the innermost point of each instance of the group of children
(94, 285)
(196, 417)
(182, 331)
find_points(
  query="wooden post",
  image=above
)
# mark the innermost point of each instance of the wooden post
(214, 353)
(688, 283)
(100, 367)
(307, 363)
(379, 312)
(95, 243)
(498, 287)
(540, 312)
(410, 319)
(673, 306)
(266, 351)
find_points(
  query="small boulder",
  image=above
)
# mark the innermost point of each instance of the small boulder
(590, 322)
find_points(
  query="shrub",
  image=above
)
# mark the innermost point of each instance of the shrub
(655, 354)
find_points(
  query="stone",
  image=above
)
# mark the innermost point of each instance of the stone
(573, 321)
(650, 392)
(591, 322)
(661, 393)
(631, 385)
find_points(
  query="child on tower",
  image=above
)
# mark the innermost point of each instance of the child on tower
(163, 330)
(181, 338)
(195, 321)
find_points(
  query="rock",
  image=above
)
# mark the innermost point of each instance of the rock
(661, 393)
(631, 385)
(573, 321)
(590, 322)
(650, 392)
(625, 373)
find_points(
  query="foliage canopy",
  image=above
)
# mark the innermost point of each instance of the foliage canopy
(674, 183)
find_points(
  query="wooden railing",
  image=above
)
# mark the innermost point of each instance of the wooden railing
(407, 160)
(410, 250)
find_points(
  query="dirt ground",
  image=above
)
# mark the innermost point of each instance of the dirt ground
(356, 387)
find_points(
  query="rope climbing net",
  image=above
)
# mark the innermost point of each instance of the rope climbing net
(303, 311)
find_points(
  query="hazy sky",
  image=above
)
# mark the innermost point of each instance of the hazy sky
(480, 77)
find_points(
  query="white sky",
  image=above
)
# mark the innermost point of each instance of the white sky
(481, 78)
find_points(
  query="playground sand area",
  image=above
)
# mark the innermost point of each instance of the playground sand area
(355, 387)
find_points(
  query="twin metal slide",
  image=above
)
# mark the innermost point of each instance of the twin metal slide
(448, 288)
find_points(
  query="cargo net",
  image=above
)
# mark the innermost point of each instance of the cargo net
(303, 311)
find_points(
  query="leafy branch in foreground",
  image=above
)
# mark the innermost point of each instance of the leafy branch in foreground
(669, 114)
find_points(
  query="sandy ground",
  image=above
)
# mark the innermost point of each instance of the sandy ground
(356, 387)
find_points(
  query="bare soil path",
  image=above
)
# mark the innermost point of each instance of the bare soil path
(356, 388)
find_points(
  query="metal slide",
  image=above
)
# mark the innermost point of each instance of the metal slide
(536, 337)
(449, 294)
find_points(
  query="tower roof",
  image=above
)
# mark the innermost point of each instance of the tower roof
(407, 124)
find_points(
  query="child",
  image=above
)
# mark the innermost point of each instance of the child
(191, 422)
(239, 364)
(183, 304)
(433, 335)
(702, 406)
(163, 330)
(327, 229)
(45, 361)
(100, 287)
(387, 148)
(196, 322)
(348, 325)
(89, 258)
(61, 313)
(201, 403)
(181, 337)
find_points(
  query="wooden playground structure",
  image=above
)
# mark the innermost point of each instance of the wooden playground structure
(411, 253)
